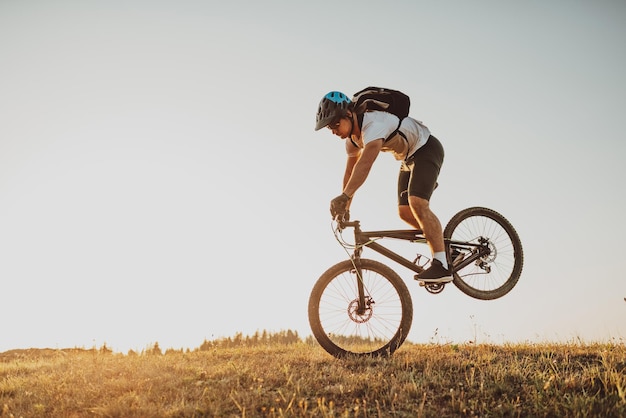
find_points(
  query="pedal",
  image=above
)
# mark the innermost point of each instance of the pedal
(423, 282)
(434, 288)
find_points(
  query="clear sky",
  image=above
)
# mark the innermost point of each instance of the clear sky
(161, 181)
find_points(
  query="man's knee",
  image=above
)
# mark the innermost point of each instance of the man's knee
(405, 213)
(419, 205)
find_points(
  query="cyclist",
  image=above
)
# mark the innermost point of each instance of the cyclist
(421, 154)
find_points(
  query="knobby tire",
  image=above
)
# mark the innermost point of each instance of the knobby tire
(377, 332)
(504, 263)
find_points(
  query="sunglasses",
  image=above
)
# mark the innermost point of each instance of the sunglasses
(334, 124)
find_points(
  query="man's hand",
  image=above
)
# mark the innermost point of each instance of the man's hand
(338, 206)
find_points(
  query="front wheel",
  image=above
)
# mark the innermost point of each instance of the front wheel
(341, 328)
(485, 252)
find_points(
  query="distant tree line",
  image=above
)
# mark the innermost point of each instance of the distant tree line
(258, 339)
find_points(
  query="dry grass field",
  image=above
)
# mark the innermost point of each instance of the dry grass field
(289, 377)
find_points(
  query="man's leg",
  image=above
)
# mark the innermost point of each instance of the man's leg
(406, 214)
(429, 222)
(438, 271)
(404, 210)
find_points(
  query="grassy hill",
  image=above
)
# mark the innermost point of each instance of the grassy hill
(288, 377)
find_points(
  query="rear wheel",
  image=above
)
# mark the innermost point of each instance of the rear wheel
(485, 252)
(338, 325)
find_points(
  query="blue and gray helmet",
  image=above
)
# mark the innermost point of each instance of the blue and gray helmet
(332, 106)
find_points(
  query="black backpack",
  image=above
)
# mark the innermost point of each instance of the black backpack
(380, 98)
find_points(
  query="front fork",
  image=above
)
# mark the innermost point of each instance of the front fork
(356, 261)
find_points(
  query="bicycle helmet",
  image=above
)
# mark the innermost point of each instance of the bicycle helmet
(333, 105)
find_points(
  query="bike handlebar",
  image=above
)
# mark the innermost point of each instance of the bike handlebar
(342, 224)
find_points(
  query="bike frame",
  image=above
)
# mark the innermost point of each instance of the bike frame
(368, 239)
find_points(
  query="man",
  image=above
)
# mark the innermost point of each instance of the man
(372, 132)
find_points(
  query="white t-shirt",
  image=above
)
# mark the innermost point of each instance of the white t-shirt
(377, 125)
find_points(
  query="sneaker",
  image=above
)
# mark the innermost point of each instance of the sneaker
(435, 273)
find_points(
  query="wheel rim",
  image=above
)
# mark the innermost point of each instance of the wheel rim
(492, 270)
(366, 332)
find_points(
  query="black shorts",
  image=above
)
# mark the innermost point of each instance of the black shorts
(418, 174)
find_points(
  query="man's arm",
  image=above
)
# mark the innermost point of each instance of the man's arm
(358, 167)
(353, 153)
(352, 159)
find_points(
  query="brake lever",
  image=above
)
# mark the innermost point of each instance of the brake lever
(340, 222)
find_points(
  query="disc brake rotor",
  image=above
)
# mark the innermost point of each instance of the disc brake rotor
(353, 311)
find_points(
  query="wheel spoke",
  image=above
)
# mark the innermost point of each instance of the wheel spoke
(379, 329)
(497, 270)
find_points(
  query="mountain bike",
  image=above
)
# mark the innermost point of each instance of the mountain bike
(362, 307)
